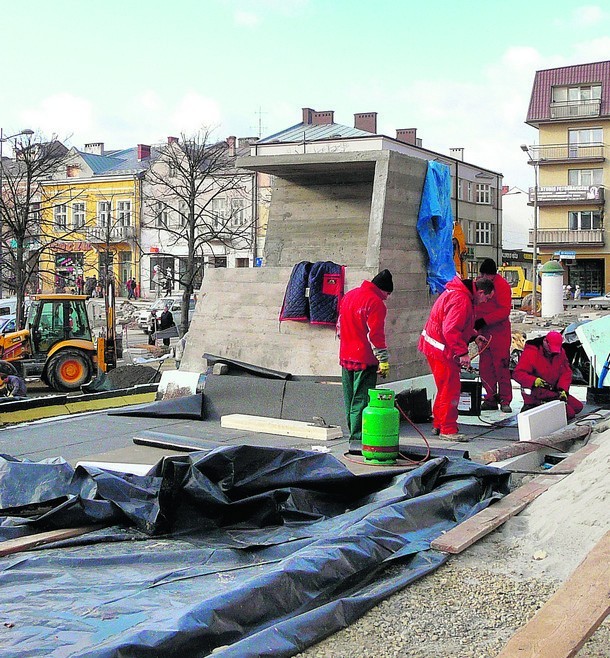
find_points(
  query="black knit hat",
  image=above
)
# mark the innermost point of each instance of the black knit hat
(383, 281)
(488, 266)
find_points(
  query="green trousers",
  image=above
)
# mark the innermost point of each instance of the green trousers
(356, 385)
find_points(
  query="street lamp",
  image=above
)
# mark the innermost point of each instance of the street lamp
(3, 139)
(534, 162)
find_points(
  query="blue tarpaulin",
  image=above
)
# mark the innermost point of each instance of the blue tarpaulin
(435, 225)
(241, 551)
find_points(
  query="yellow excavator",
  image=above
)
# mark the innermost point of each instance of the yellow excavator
(57, 343)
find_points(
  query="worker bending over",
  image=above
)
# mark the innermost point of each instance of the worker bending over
(492, 322)
(12, 386)
(545, 374)
(444, 343)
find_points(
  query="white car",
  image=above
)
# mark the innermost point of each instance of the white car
(7, 323)
(175, 306)
(600, 302)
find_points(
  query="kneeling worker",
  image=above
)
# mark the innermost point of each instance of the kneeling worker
(12, 386)
(545, 374)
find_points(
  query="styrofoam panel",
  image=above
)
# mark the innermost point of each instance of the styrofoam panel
(542, 420)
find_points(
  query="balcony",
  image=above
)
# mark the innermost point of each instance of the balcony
(97, 234)
(562, 237)
(576, 109)
(567, 153)
(573, 195)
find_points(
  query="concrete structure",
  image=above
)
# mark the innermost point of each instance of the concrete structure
(358, 209)
(476, 197)
(570, 107)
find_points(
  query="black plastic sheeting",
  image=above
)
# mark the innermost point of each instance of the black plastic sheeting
(188, 407)
(257, 552)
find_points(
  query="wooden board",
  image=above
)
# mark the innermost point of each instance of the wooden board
(32, 541)
(569, 618)
(280, 426)
(467, 533)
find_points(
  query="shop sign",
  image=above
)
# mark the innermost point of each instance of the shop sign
(567, 193)
(77, 245)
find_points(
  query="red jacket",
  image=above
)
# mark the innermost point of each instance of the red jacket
(496, 310)
(361, 326)
(553, 368)
(451, 323)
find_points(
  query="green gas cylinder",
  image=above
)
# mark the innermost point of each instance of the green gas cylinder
(380, 427)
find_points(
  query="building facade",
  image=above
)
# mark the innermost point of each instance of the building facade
(476, 191)
(570, 107)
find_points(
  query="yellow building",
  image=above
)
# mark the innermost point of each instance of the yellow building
(91, 213)
(570, 107)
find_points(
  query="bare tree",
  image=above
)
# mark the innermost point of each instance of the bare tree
(197, 200)
(24, 204)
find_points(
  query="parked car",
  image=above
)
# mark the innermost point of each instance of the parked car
(7, 323)
(175, 306)
(600, 302)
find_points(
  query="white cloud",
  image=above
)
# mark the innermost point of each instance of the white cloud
(62, 114)
(587, 16)
(246, 18)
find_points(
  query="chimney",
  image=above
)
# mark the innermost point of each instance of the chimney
(307, 115)
(457, 153)
(322, 118)
(172, 140)
(366, 121)
(143, 151)
(96, 148)
(231, 140)
(407, 136)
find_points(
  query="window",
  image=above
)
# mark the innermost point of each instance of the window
(78, 215)
(469, 197)
(35, 211)
(460, 189)
(182, 214)
(198, 272)
(124, 213)
(585, 176)
(584, 220)
(104, 208)
(577, 93)
(238, 212)
(161, 215)
(242, 262)
(60, 214)
(483, 193)
(586, 136)
(219, 210)
(158, 269)
(484, 232)
(220, 261)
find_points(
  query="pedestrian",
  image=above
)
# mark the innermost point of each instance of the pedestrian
(577, 292)
(80, 285)
(363, 352)
(134, 288)
(544, 372)
(444, 342)
(166, 321)
(168, 282)
(12, 386)
(492, 322)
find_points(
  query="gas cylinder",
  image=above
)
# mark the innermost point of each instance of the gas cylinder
(380, 427)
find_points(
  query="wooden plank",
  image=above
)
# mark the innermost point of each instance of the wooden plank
(40, 539)
(569, 433)
(280, 426)
(467, 533)
(569, 618)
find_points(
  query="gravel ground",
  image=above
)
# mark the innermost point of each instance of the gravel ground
(463, 610)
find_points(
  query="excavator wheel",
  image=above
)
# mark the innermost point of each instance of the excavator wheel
(68, 370)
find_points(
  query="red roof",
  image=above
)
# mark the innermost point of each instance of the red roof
(540, 101)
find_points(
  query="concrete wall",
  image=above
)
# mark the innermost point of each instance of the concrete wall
(364, 218)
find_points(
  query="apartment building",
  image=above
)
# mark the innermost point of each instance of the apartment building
(570, 108)
(476, 197)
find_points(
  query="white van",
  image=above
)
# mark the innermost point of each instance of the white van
(8, 306)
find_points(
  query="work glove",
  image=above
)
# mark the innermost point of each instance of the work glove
(479, 324)
(540, 383)
(384, 369)
(563, 396)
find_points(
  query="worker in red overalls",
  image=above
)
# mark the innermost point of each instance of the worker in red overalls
(545, 374)
(492, 322)
(444, 343)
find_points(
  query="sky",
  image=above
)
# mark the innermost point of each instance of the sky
(125, 72)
